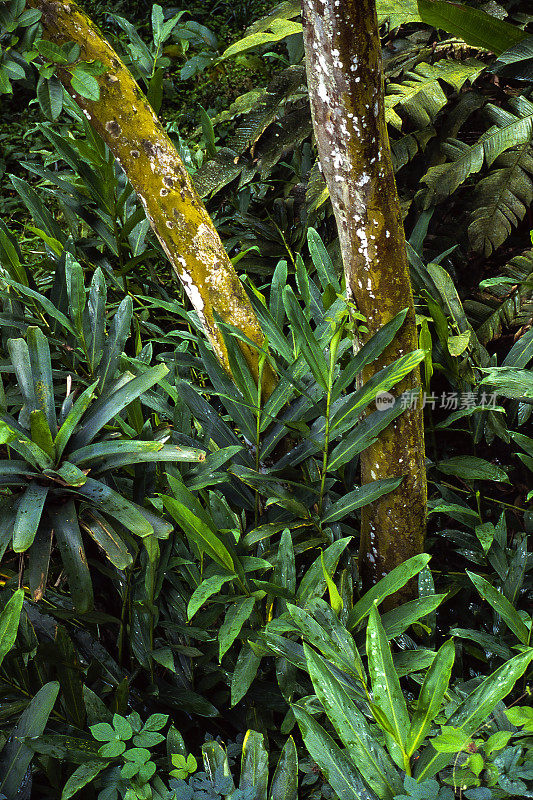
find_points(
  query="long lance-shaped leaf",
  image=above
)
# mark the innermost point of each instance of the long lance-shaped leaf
(338, 769)
(16, 755)
(41, 367)
(64, 518)
(115, 403)
(198, 532)
(386, 690)
(9, 622)
(328, 637)
(476, 27)
(345, 78)
(367, 754)
(36, 573)
(285, 781)
(75, 414)
(40, 432)
(431, 695)
(115, 342)
(69, 674)
(20, 358)
(16, 468)
(502, 606)
(359, 497)
(28, 516)
(133, 452)
(94, 319)
(133, 517)
(474, 710)
(126, 122)
(107, 538)
(254, 763)
(384, 380)
(388, 585)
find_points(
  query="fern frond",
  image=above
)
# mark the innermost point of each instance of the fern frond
(501, 199)
(317, 192)
(257, 112)
(506, 305)
(465, 160)
(267, 107)
(216, 173)
(420, 94)
(405, 149)
(397, 12)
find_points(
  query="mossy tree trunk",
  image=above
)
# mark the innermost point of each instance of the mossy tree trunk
(343, 57)
(126, 122)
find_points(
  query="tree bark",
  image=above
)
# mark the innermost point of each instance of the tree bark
(343, 59)
(126, 122)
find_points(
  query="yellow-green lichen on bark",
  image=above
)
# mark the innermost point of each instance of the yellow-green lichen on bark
(343, 58)
(126, 122)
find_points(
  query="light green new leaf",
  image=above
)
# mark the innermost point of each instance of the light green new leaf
(334, 597)
(313, 583)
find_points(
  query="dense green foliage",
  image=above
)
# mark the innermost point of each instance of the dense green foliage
(178, 555)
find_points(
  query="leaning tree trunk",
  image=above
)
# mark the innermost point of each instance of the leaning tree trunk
(126, 122)
(343, 57)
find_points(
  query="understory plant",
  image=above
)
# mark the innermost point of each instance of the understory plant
(177, 550)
